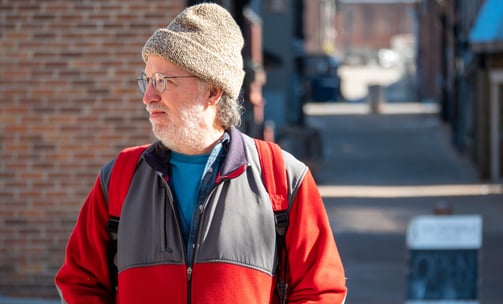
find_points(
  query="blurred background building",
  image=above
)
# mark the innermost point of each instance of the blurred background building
(70, 103)
(459, 66)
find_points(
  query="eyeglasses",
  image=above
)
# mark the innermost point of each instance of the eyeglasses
(158, 81)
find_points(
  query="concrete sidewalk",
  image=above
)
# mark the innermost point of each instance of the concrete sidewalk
(11, 300)
(379, 172)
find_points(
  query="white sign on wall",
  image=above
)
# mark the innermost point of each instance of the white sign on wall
(445, 232)
(444, 259)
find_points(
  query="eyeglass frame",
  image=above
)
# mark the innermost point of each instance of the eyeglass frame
(142, 77)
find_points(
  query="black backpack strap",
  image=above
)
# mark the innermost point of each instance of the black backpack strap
(281, 221)
(113, 229)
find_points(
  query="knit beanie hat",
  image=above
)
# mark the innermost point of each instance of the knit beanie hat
(205, 40)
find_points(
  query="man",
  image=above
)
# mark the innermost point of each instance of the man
(196, 224)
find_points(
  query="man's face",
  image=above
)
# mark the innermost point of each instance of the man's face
(179, 115)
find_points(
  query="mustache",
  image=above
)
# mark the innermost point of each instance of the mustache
(155, 107)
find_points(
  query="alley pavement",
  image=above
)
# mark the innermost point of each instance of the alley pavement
(378, 172)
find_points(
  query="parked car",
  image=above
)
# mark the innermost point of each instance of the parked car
(322, 76)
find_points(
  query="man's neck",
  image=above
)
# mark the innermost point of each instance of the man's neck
(205, 145)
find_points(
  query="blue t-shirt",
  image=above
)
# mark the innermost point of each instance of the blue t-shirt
(186, 173)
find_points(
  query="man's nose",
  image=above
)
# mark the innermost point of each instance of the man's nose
(150, 95)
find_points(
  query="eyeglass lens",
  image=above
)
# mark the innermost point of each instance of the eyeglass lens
(158, 82)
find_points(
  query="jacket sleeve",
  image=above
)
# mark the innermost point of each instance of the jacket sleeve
(84, 277)
(316, 273)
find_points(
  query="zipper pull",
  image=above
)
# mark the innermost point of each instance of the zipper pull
(189, 273)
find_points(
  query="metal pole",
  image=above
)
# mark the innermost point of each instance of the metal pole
(496, 79)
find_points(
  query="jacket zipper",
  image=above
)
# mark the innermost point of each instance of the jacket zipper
(190, 262)
(189, 284)
(201, 208)
(180, 237)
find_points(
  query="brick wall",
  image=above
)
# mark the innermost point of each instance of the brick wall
(68, 103)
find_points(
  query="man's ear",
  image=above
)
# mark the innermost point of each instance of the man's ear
(215, 95)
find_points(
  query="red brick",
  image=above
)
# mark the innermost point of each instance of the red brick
(80, 60)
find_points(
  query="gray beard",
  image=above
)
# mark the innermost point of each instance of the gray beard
(183, 134)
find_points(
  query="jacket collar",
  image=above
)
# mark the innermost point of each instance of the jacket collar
(235, 161)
